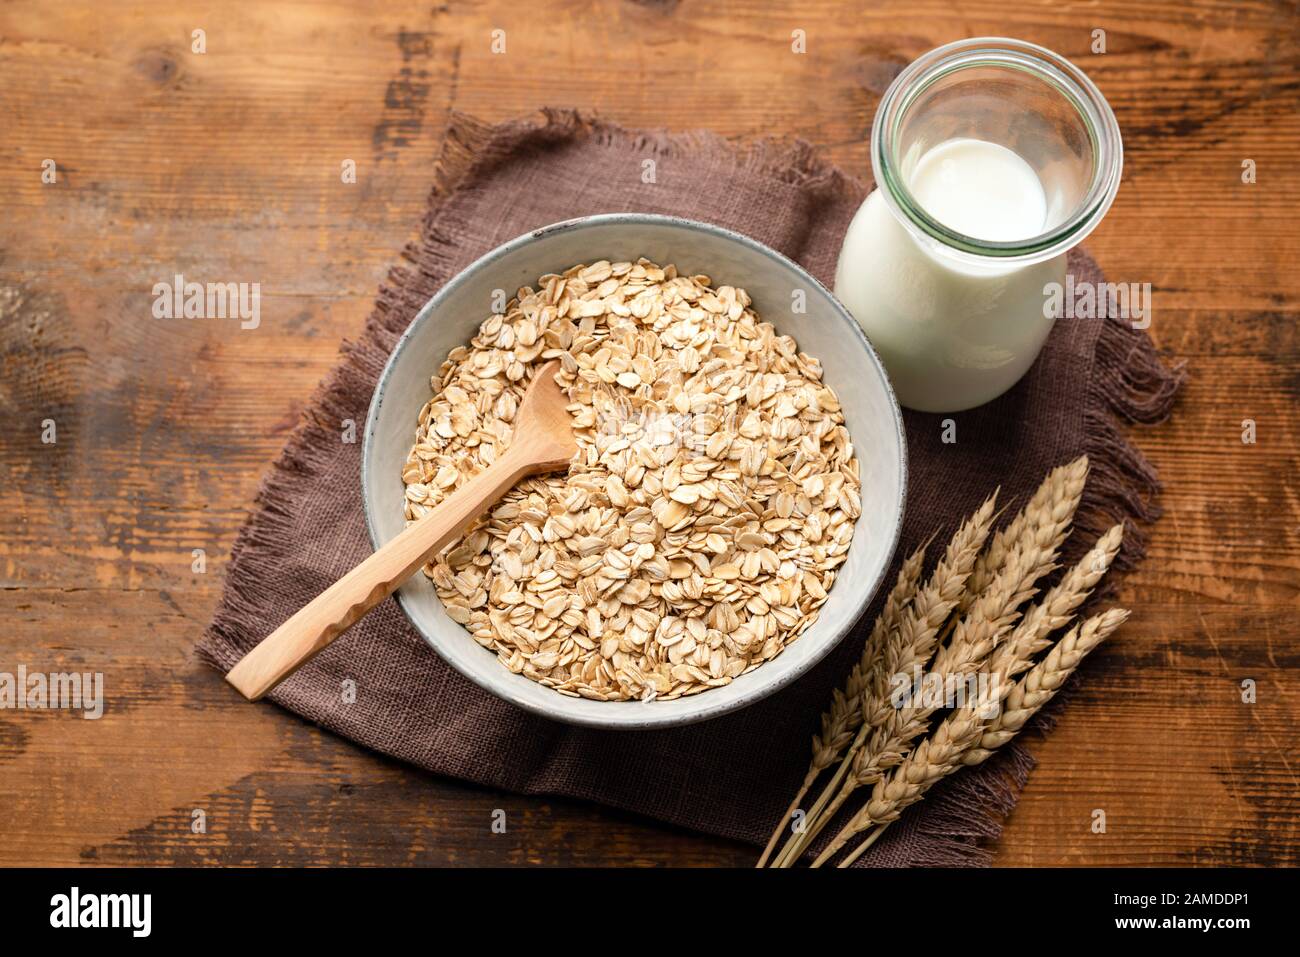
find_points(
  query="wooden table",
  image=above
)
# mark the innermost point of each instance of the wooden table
(225, 165)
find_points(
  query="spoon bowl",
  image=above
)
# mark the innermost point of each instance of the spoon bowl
(785, 295)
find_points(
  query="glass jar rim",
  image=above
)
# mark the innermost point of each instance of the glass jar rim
(1004, 52)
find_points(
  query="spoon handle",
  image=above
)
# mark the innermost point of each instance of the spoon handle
(340, 606)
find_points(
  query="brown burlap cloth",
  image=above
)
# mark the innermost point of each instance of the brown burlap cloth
(732, 776)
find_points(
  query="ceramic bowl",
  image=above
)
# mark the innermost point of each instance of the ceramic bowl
(822, 328)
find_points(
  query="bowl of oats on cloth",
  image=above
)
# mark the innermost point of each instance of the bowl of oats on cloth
(735, 501)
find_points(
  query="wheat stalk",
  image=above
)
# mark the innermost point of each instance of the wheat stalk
(967, 619)
(890, 737)
(911, 643)
(840, 722)
(968, 736)
(988, 620)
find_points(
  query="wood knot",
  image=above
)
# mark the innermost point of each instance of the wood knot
(158, 66)
(877, 70)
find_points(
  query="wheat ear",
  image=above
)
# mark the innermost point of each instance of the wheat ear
(991, 561)
(1031, 637)
(911, 643)
(987, 622)
(968, 737)
(1041, 683)
(840, 722)
(1058, 606)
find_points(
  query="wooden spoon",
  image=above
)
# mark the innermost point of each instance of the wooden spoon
(543, 442)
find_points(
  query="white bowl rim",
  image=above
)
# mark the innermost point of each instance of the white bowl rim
(703, 709)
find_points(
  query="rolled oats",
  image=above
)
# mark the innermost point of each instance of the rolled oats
(698, 529)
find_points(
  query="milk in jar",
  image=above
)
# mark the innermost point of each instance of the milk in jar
(947, 264)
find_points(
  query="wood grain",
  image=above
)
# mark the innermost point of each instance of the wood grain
(226, 166)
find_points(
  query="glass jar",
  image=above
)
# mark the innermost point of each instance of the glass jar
(992, 158)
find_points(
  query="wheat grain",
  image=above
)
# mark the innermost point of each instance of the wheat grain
(979, 594)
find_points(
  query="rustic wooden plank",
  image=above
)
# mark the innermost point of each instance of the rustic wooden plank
(135, 776)
(226, 165)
